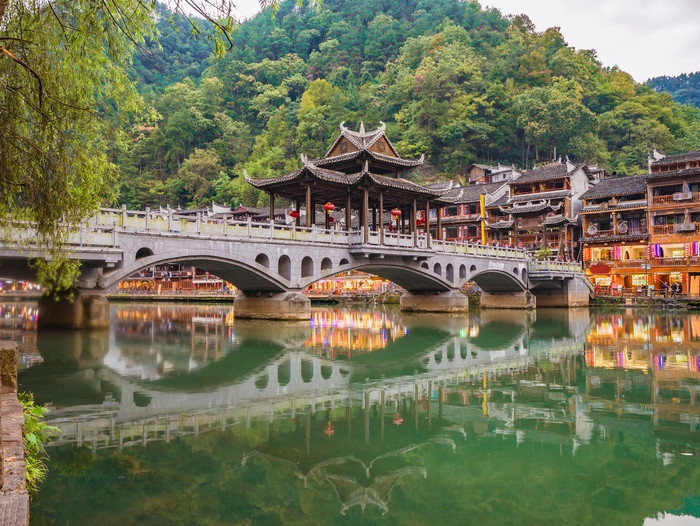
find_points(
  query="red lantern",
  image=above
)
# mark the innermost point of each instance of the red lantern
(294, 214)
(329, 207)
(396, 212)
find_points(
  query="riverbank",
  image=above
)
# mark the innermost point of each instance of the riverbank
(14, 498)
(656, 302)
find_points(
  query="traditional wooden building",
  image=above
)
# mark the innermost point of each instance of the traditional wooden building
(362, 173)
(487, 174)
(542, 208)
(615, 236)
(463, 215)
(673, 187)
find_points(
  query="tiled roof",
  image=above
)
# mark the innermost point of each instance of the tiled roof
(470, 193)
(554, 220)
(678, 158)
(528, 209)
(501, 225)
(619, 206)
(499, 202)
(558, 194)
(320, 173)
(543, 173)
(612, 239)
(683, 172)
(402, 184)
(618, 186)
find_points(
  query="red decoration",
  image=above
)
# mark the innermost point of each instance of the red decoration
(397, 419)
(329, 430)
(396, 212)
(420, 221)
(329, 207)
(294, 214)
(600, 268)
(331, 220)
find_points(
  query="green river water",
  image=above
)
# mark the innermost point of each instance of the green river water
(183, 415)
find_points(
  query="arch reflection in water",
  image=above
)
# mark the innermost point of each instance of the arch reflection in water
(361, 424)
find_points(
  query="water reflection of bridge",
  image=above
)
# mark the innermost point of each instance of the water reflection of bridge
(290, 382)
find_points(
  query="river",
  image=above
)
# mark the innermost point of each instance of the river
(183, 415)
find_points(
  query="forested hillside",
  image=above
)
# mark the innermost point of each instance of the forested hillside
(456, 82)
(684, 88)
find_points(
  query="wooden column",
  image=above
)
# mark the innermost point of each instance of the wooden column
(365, 206)
(348, 212)
(381, 217)
(309, 206)
(272, 207)
(438, 227)
(414, 226)
(297, 220)
(427, 223)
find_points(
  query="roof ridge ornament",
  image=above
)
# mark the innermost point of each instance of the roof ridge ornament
(382, 127)
(362, 127)
(342, 127)
(305, 161)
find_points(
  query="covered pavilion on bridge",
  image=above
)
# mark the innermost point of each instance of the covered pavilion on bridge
(361, 171)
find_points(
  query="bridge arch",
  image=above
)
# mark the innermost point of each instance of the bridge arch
(253, 277)
(263, 259)
(437, 268)
(494, 280)
(143, 252)
(412, 278)
(450, 273)
(307, 267)
(326, 264)
(284, 267)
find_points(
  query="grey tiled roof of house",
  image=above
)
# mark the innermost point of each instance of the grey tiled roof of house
(674, 173)
(618, 186)
(678, 158)
(543, 173)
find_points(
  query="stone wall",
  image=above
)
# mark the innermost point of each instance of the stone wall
(14, 499)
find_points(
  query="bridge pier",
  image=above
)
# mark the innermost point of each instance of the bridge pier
(272, 306)
(507, 300)
(87, 310)
(435, 301)
(570, 293)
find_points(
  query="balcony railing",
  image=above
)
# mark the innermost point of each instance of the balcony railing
(675, 198)
(620, 232)
(653, 263)
(681, 228)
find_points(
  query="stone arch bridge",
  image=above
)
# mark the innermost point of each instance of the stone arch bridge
(271, 264)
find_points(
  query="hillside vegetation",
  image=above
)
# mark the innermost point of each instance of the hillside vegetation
(452, 80)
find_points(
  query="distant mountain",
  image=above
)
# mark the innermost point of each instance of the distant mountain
(684, 88)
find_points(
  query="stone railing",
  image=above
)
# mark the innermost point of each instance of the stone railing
(14, 499)
(112, 221)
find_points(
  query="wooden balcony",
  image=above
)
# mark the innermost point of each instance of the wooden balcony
(678, 198)
(681, 228)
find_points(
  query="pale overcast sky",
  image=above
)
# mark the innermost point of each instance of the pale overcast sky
(646, 38)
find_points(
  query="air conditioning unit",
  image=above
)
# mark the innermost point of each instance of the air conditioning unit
(684, 227)
(682, 196)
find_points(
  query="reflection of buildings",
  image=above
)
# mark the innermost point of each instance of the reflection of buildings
(648, 365)
(150, 341)
(337, 333)
(18, 323)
